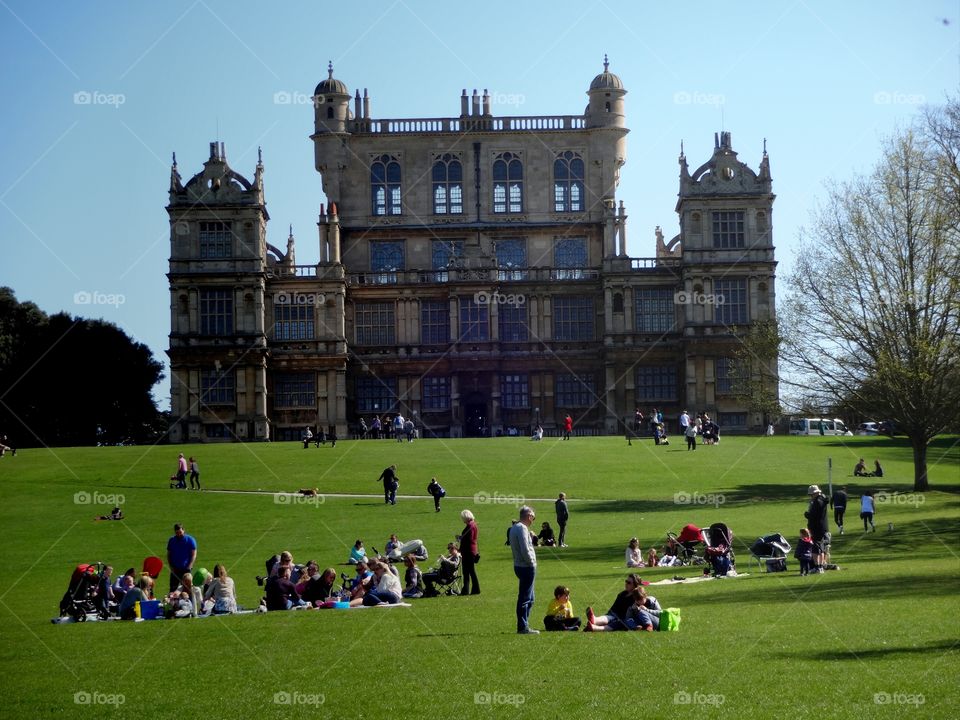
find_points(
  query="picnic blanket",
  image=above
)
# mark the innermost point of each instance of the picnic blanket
(93, 617)
(696, 579)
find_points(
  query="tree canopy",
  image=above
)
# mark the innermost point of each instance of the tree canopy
(873, 318)
(69, 381)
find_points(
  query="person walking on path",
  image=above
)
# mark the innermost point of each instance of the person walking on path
(194, 474)
(470, 553)
(524, 567)
(839, 504)
(563, 514)
(390, 484)
(181, 554)
(436, 490)
(867, 509)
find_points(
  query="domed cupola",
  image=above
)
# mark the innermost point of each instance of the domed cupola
(606, 107)
(331, 103)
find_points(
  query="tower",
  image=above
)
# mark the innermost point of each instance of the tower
(218, 346)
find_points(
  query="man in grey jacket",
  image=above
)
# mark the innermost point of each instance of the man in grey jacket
(525, 568)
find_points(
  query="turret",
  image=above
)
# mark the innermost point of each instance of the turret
(331, 103)
(606, 106)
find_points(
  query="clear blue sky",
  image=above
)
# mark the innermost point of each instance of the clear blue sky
(85, 183)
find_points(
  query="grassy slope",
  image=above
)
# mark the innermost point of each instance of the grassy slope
(886, 623)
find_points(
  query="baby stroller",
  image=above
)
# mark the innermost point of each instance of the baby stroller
(771, 551)
(684, 545)
(719, 551)
(80, 598)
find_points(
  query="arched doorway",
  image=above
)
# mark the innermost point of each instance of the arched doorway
(476, 420)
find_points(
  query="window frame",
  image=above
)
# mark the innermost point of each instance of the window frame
(507, 187)
(572, 315)
(728, 229)
(216, 312)
(447, 196)
(215, 243)
(375, 324)
(386, 178)
(663, 316)
(568, 182)
(294, 390)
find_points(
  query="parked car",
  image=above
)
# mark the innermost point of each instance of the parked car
(818, 426)
(868, 428)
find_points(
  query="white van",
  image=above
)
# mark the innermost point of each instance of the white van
(812, 426)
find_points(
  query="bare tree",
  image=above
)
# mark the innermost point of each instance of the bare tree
(873, 317)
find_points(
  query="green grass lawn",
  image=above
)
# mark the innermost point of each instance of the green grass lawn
(880, 638)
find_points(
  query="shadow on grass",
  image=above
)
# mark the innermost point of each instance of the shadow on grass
(879, 653)
(832, 587)
(629, 506)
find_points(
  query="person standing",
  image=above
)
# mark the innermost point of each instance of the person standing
(567, 427)
(524, 567)
(637, 421)
(194, 474)
(563, 514)
(690, 431)
(816, 515)
(470, 552)
(390, 484)
(307, 437)
(181, 554)
(684, 422)
(838, 501)
(181, 472)
(398, 423)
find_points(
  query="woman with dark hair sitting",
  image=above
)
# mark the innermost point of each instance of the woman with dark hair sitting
(615, 619)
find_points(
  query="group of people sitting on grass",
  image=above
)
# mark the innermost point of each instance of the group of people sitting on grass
(215, 595)
(632, 609)
(861, 469)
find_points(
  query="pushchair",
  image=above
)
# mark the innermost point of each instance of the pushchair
(719, 550)
(770, 552)
(684, 545)
(80, 598)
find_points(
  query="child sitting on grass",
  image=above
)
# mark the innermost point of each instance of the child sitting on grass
(805, 552)
(644, 614)
(560, 611)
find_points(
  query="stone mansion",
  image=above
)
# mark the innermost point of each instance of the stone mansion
(473, 276)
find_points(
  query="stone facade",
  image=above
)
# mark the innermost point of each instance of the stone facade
(473, 275)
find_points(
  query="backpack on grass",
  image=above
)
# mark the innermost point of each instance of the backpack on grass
(669, 619)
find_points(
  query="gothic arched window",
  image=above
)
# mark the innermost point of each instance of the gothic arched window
(507, 183)
(447, 185)
(568, 182)
(385, 185)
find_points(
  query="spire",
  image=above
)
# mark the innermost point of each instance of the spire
(764, 147)
(606, 62)
(175, 185)
(259, 155)
(330, 70)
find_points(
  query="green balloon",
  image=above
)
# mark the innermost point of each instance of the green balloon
(199, 577)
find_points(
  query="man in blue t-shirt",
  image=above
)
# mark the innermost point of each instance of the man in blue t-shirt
(181, 554)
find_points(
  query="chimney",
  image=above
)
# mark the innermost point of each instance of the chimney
(464, 104)
(366, 104)
(486, 103)
(476, 103)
